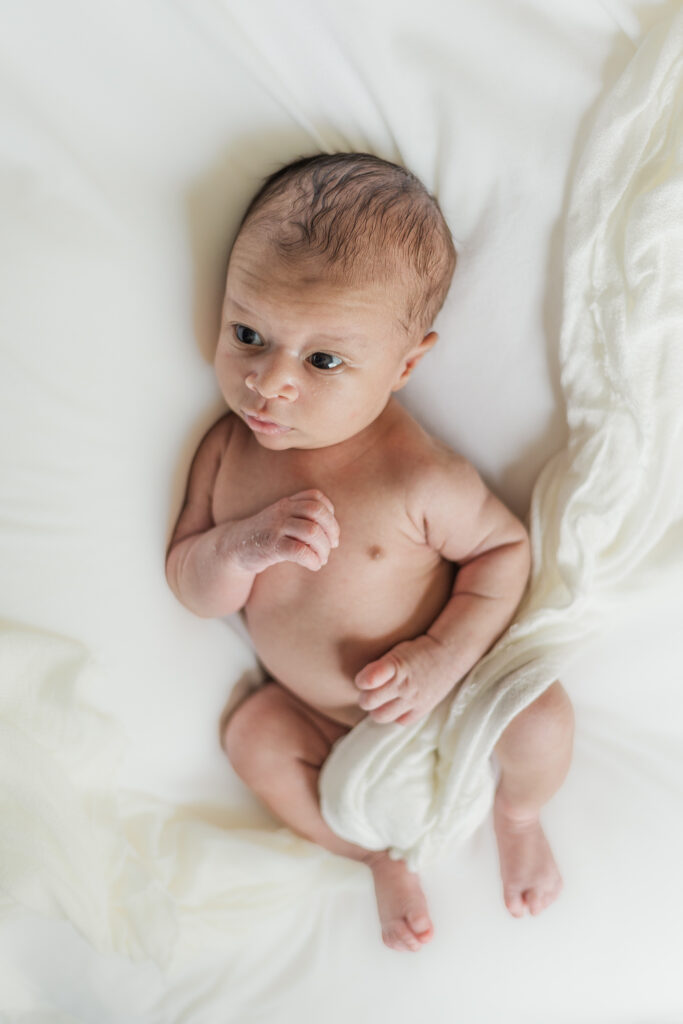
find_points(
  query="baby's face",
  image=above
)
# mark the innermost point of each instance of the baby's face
(305, 362)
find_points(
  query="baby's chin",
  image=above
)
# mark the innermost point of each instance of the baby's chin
(293, 438)
(290, 440)
(297, 440)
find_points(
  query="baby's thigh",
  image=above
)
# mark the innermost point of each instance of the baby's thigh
(273, 725)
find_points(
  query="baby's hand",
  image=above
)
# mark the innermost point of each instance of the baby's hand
(406, 683)
(301, 528)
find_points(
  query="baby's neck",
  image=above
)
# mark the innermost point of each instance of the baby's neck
(345, 453)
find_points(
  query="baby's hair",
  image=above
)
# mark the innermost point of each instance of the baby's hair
(368, 218)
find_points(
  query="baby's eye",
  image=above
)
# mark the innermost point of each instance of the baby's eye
(247, 336)
(324, 361)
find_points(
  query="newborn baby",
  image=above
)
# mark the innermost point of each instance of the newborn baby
(373, 566)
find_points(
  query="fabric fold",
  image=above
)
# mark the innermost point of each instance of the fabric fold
(132, 873)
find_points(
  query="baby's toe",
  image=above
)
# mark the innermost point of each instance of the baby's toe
(400, 936)
(393, 942)
(420, 924)
(514, 902)
(418, 921)
(535, 901)
(539, 900)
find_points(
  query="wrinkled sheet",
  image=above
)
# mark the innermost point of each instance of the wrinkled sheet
(140, 881)
(132, 873)
(600, 506)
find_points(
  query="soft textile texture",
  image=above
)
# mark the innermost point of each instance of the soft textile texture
(599, 507)
(133, 874)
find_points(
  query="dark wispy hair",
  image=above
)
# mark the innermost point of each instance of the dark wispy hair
(367, 218)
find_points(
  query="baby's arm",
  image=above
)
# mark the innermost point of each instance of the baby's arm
(466, 524)
(211, 568)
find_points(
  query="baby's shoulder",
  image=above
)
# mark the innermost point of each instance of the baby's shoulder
(436, 479)
(220, 438)
(229, 433)
(421, 458)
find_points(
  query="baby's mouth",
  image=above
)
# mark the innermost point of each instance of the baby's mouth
(263, 426)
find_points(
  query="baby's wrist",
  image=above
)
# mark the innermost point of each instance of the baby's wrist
(236, 549)
(432, 657)
(445, 657)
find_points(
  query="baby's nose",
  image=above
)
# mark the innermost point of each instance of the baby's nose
(273, 380)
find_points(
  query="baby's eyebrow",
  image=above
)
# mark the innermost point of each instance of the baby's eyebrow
(326, 337)
(341, 337)
(239, 305)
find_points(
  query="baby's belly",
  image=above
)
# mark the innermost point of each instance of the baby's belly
(313, 632)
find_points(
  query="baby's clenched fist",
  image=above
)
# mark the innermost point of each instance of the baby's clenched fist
(301, 528)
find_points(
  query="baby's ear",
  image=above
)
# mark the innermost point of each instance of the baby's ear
(413, 357)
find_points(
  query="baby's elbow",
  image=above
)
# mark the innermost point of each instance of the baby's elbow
(171, 570)
(516, 544)
(170, 567)
(521, 536)
(525, 547)
(177, 576)
(522, 547)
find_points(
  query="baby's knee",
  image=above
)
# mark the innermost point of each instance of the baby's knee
(553, 709)
(547, 723)
(242, 733)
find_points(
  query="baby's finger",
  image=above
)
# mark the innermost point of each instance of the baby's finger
(310, 533)
(376, 673)
(290, 549)
(316, 495)
(409, 717)
(389, 712)
(375, 698)
(320, 513)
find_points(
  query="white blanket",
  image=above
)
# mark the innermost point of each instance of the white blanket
(132, 873)
(599, 508)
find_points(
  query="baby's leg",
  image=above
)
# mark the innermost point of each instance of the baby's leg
(277, 745)
(534, 754)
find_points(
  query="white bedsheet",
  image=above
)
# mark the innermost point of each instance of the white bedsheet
(132, 136)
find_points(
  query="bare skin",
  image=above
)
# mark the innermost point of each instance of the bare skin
(402, 906)
(326, 513)
(531, 880)
(535, 756)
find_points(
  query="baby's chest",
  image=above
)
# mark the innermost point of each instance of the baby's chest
(383, 583)
(375, 529)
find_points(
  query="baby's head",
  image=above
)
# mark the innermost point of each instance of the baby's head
(339, 268)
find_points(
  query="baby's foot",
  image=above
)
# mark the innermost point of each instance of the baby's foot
(531, 880)
(402, 906)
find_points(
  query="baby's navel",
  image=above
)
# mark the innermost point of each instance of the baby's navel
(375, 552)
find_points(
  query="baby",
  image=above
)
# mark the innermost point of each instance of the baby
(373, 565)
